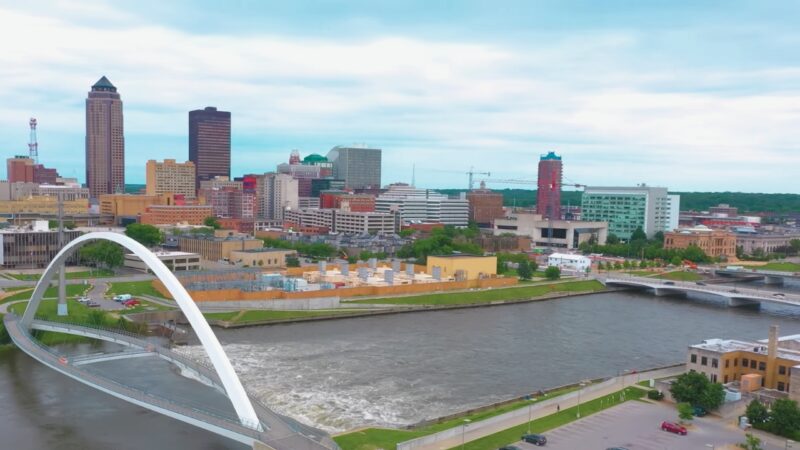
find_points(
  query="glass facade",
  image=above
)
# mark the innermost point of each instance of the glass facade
(623, 212)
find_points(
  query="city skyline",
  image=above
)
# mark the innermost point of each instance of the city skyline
(652, 94)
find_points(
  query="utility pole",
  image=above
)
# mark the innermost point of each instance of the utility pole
(62, 276)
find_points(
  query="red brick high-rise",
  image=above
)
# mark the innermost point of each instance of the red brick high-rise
(548, 196)
(105, 142)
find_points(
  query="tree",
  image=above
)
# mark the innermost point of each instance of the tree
(524, 270)
(643, 264)
(612, 239)
(292, 261)
(147, 235)
(689, 387)
(626, 264)
(617, 265)
(756, 412)
(785, 417)
(212, 222)
(659, 236)
(102, 253)
(695, 254)
(552, 273)
(676, 261)
(638, 235)
(795, 245)
(712, 397)
(685, 411)
(751, 442)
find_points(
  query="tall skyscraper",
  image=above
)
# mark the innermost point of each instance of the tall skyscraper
(359, 167)
(210, 143)
(105, 142)
(548, 196)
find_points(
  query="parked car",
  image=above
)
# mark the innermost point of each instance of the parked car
(122, 297)
(131, 303)
(92, 304)
(535, 439)
(84, 299)
(699, 411)
(779, 295)
(673, 428)
(700, 283)
(671, 283)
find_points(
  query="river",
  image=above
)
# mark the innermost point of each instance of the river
(392, 370)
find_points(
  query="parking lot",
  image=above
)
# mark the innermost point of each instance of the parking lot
(635, 425)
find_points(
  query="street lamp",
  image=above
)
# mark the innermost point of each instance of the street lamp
(530, 406)
(579, 399)
(463, 428)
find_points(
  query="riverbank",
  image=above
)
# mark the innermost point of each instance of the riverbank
(412, 304)
(600, 394)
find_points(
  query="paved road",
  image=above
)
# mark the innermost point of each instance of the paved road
(97, 294)
(635, 425)
(138, 277)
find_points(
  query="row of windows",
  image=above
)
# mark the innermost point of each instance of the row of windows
(746, 363)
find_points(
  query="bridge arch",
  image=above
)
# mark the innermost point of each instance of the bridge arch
(230, 381)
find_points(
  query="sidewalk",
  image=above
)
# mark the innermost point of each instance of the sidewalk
(472, 431)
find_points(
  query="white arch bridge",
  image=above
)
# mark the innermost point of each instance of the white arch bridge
(253, 424)
(735, 295)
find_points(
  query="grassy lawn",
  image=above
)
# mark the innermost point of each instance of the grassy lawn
(486, 296)
(73, 290)
(552, 421)
(781, 266)
(641, 273)
(133, 288)
(262, 315)
(97, 273)
(680, 276)
(387, 438)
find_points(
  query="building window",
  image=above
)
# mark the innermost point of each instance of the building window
(726, 380)
(735, 362)
(762, 365)
(704, 361)
(693, 358)
(744, 362)
(752, 363)
(781, 386)
(782, 370)
(727, 363)
(714, 363)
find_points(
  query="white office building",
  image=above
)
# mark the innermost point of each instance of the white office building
(574, 263)
(423, 205)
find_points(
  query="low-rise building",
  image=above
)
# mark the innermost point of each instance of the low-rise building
(43, 205)
(462, 267)
(567, 234)
(32, 246)
(775, 361)
(752, 241)
(485, 206)
(341, 221)
(267, 258)
(218, 248)
(714, 243)
(175, 214)
(175, 261)
(130, 206)
(574, 263)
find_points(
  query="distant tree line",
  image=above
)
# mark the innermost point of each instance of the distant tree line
(442, 241)
(639, 246)
(698, 201)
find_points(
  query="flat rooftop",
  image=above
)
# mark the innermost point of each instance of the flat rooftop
(759, 347)
(266, 249)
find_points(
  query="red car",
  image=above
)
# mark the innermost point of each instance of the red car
(131, 303)
(673, 428)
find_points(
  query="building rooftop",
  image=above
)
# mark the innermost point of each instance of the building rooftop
(104, 85)
(266, 249)
(550, 156)
(760, 347)
(461, 255)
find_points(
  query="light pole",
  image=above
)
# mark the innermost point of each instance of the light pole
(579, 399)
(463, 429)
(530, 406)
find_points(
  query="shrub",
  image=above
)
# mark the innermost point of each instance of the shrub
(655, 394)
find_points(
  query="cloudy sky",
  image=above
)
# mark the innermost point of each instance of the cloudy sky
(693, 95)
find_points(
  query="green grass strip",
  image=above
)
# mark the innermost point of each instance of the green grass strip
(490, 295)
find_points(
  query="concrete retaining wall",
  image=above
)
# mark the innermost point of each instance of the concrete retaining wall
(273, 305)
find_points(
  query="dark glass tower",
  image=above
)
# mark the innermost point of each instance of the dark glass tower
(210, 143)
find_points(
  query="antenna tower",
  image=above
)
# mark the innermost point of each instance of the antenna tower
(33, 145)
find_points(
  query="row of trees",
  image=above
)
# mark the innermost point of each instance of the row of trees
(317, 250)
(639, 246)
(782, 419)
(442, 241)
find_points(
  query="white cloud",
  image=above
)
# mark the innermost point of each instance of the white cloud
(457, 104)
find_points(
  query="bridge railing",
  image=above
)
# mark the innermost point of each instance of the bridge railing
(745, 292)
(46, 354)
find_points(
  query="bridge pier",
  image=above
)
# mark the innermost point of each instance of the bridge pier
(62, 290)
(735, 301)
(768, 279)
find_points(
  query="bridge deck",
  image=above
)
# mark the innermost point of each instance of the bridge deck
(280, 433)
